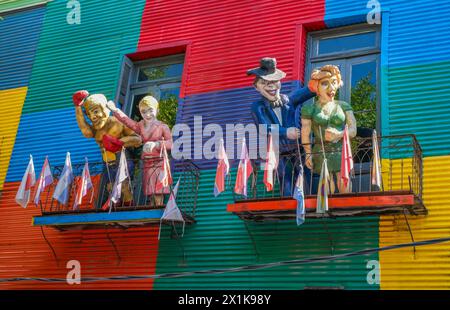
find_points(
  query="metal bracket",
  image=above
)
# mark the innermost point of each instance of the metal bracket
(330, 237)
(252, 239)
(410, 232)
(51, 247)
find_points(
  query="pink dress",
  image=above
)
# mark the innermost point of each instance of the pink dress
(155, 132)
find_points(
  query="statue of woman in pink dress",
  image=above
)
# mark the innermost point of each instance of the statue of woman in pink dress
(153, 134)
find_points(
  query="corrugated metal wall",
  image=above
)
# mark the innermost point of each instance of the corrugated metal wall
(221, 240)
(428, 267)
(68, 58)
(101, 252)
(228, 37)
(18, 42)
(11, 102)
(418, 44)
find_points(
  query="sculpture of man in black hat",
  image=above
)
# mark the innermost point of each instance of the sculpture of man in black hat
(278, 109)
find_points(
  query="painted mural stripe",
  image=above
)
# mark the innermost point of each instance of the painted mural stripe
(11, 103)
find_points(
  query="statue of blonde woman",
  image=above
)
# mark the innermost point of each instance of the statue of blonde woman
(326, 118)
(154, 134)
(110, 135)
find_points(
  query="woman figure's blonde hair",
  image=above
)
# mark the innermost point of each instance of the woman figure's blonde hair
(149, 101)
(326, 71)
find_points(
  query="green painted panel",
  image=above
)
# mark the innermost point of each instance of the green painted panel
(221, 240)
(419, 106)
(82, 56)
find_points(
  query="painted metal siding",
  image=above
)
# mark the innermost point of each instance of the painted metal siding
(18, 43)
(224, 107)
(416, 43)
(11, 102)
(228, 37)
(428, 267)
(52, 133)
(417, 39)
(69, 58)
(13, 5)
(418, 32)
(220, 239)
(25, 253)
(84, 56)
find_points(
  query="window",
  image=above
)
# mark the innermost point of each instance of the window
(159, 77)
(356, 51)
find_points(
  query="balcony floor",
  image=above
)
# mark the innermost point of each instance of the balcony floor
(93, 219)
(353, 204)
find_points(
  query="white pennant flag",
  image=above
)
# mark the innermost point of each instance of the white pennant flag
(28, 180)
(172, 212)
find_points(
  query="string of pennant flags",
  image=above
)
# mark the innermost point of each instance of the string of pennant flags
(245, 169)
(62, 189)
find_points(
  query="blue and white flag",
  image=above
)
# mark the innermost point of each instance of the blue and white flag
(300, 197)
(62, 189)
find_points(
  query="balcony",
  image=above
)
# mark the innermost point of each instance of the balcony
(138, 211)
(401, 190)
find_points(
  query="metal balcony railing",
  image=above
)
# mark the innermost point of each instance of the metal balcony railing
(401, 166)
(102, 177)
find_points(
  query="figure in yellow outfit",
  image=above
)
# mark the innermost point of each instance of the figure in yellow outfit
(110, 134)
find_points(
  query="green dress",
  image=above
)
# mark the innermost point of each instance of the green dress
(319, 119)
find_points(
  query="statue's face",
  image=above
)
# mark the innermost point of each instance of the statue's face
(327, 88)
(269, 89)
(97, 117)
(148, 113)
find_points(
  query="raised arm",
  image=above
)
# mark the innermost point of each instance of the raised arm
(130, 138)
(123, 118)
(85, 128)
(300, 95)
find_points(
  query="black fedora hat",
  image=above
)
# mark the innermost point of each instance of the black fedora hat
(267, 70)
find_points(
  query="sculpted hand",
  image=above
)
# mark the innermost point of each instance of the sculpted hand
(332, 135)
(149, 146)
(293, 133)
(111, 105)
(79, 96)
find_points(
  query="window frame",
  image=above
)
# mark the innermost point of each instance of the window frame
(347, 57)
(136, 87)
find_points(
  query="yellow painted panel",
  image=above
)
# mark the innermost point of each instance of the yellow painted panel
(429, 266)
(11, 103)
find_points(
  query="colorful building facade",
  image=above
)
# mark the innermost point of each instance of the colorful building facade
(45, 58)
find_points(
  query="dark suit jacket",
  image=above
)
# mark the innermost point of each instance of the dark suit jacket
(263, 113)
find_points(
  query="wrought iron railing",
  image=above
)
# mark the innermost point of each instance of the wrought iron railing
(103, 176)
(401, 167)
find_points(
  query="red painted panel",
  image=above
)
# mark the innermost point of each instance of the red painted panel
(26, 254)
(228, 37)
(334, 203)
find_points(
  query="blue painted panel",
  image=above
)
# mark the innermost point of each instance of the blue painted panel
(93, 218)
(51, 133)
(18, 42)
(418, 31)
(222, 108)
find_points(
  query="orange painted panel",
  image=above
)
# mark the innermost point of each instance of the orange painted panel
(101, 252)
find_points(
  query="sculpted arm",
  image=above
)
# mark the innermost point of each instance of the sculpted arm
(85, 128)
(306, 141)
